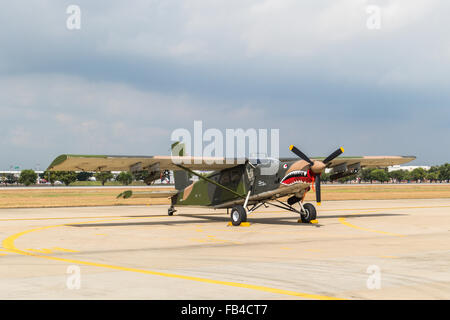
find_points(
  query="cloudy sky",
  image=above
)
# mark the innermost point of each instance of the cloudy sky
(135, 71)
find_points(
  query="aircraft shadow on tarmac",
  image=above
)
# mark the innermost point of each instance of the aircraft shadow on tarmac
(199, 219)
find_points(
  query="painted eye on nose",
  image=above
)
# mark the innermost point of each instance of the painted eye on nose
(285, 166)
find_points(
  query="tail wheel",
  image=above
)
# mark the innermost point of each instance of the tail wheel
(309, 214)
(238, 215)
(170, 211)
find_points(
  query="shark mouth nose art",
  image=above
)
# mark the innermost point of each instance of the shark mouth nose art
(295, 177)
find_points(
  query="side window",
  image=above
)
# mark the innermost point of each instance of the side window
(235, 176)
(225, 178)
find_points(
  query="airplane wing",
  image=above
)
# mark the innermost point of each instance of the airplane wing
(364, 161)
(73, 162)
(370, 161)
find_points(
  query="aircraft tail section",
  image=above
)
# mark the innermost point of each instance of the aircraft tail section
(181, 177)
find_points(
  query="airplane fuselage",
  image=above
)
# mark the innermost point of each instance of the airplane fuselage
(242, 179)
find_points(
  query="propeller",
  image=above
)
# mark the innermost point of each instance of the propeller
(317, 167)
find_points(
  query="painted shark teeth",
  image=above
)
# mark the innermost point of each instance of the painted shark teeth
(295, 177)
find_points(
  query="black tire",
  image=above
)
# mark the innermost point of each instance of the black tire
(238, 215)
(310, 213)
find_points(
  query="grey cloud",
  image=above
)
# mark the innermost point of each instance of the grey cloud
(135, 72)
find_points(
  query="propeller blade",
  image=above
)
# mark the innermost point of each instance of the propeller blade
(335, 154)
(300, 154)
(318, 195)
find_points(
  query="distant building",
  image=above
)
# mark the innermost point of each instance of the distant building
(407, 168)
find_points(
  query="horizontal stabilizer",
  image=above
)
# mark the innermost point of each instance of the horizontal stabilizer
(146, 194)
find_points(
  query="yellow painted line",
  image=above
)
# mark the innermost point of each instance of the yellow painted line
(344, 222)
(63, 249)
(8, 244)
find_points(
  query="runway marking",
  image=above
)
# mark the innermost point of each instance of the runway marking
(51, 250)
(8, 244)
(348, 224)
(64, 249)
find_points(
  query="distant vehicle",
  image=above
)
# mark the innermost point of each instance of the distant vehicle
(57, 182)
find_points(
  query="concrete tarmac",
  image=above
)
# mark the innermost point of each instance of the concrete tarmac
(384, 249)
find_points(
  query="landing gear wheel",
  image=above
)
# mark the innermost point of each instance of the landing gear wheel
(170, 211)
(309, 214)
(238, 215)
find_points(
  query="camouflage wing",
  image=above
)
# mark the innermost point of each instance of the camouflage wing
(364, 161)
(268, 195)
(370, 161)
(72, 162)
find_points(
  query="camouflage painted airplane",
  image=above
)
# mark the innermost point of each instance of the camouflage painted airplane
(236, 184)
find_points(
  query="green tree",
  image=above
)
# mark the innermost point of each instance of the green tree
(125, 178)
(28, 177)
(50, 176)
(103, 176)
(325, 177)
(366, 175)
(379, 175)
(444, 172)
(397, 175)
(347, 178)
(66, 177)
(418, 174)
(432, 176)
(84, 176)
(141, 175)
(11, 179)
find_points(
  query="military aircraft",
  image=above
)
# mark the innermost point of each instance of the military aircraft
(236, 184)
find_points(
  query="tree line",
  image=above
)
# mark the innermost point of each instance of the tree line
(29, 177)
(436, 174)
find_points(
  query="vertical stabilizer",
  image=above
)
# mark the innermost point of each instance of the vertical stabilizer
(181, 177)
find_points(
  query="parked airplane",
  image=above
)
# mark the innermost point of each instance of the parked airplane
(236, 184)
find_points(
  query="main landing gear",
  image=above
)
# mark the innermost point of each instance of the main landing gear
(238, 215)
(307, 211)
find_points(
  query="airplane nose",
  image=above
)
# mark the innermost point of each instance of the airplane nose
(318, 167)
